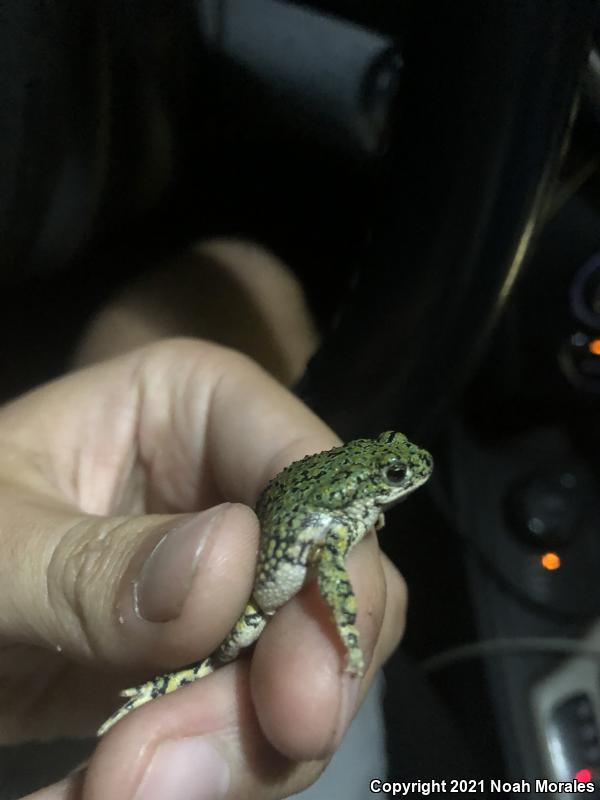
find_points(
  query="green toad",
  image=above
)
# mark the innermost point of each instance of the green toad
(311, 515)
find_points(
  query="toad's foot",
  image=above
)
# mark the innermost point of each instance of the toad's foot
(245, 632)
(163, 684)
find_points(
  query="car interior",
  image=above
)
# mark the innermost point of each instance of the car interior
(430, 172)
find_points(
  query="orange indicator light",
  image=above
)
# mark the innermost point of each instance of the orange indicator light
(550, 561)
(594, 347)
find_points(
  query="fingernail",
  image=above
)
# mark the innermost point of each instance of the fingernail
(185, 769)
(348, 702)
(166, 577)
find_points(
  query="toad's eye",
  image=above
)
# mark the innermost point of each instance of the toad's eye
(395, 475)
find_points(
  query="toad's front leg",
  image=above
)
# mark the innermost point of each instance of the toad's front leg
(336, 590)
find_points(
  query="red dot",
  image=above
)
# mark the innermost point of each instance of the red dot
(584, 776)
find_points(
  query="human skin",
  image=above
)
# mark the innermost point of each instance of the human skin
(232, 292)
(97, 469)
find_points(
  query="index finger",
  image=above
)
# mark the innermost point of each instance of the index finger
(204, 422)
(235, 425)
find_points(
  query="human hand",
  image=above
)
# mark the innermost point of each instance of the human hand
(97, 469)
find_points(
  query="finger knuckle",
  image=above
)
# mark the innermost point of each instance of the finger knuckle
(78, 581)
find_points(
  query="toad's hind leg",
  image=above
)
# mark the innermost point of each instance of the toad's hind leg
(336, 590)
(245, 632)
(163, 684)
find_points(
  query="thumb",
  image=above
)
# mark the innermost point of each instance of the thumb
(157, 590)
